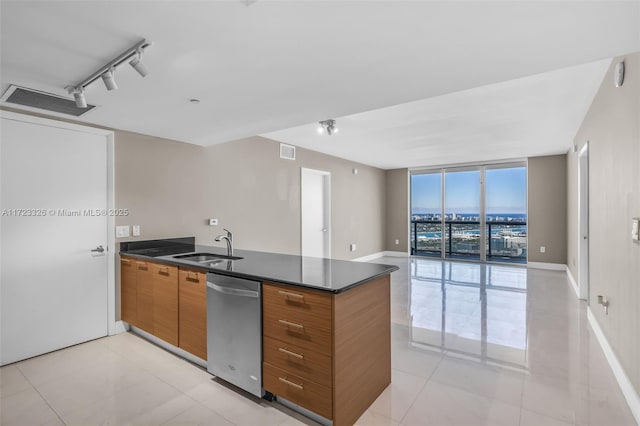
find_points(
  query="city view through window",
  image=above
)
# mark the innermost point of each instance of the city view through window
(447, 211)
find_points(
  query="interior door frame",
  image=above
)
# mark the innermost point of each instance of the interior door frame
(327, 207)
(583, 222)
(113, 327)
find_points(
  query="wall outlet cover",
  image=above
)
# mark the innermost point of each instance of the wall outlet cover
(136, 230)
(397, 242)
(122, 231)
(543, 249)
(213, 222)
(635, 229)
(352, 247)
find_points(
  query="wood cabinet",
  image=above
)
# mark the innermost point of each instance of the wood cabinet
(166, 301)
(128, 290)
(329, 353)
(192, 324)
(144, 279)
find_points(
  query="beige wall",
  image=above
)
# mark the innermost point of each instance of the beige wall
(547, 209)
(611, 127)
(397, 227)
(172, 188)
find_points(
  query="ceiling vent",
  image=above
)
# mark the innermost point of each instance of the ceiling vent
(288, 152)
(42, 101)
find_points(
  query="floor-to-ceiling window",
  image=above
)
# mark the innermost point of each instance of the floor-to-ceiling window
(472, 213)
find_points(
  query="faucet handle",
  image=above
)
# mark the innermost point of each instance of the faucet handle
(229, 234)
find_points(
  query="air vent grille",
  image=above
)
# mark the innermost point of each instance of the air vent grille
(43, 101)
(288, 152)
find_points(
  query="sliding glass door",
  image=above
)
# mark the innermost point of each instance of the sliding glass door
(473, 213)
(462, 214)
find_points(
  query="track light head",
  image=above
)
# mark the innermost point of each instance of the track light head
(328, 126)
(78, 96)
(136, 64)
(108, 80)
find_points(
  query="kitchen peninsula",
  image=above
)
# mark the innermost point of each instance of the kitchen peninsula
(325, 323)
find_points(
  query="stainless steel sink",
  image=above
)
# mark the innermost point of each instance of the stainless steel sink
(205, 257)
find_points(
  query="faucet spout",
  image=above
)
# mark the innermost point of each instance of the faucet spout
(228, 239)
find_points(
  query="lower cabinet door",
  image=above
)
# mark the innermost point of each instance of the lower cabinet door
(307, 394)
(128, 291)
(165, 302)
(144, 300)
(192, 333)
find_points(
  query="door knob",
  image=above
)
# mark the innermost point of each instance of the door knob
(98, 249)
(324, 229)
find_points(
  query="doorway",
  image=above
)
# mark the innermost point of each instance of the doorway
(583, 218)
(315, 210)
(56, 194)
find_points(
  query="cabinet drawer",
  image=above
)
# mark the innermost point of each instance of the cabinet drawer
(306, 333)
(298, 390)
(309, 365)
(297, 301)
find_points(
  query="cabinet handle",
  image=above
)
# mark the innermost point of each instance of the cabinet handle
(291, 324)
(193, 276)
(288, 294)
(290, 383)
(283, 350)
(126, 260)
(163, 271)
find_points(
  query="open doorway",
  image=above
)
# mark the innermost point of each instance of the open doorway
(315, 213)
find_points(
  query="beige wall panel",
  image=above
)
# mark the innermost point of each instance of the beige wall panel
(611, 127)
(397, 210)
(547, 209)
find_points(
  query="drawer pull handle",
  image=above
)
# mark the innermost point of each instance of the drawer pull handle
(290, 383)
(283, 350)
(163, 271)
(291, 324)
(288, 294)
(193, 276)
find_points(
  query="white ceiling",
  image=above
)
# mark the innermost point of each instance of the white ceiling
(280, 64)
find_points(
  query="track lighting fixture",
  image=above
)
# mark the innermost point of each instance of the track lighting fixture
(109, 82)
(136, 64)
(133, 54)
(78, 95)
(328, 126)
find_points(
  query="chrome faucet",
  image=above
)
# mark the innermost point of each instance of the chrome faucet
(229, 239)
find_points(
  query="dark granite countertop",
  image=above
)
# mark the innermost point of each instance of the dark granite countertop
(322, 274)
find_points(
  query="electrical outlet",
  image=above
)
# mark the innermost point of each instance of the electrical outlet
(213, 222)
(136, 230)
(635, 229)
(543, 249)
(397, 242)
(352, 247)
(122, 231)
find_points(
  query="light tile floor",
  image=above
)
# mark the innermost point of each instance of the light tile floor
(471, 345)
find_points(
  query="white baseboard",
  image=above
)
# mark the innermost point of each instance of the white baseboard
(547, 266)
(121, 327)
(573, 283)
(380, 254)
(629, 392)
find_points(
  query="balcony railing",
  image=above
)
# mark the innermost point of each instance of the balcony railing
(504, 240)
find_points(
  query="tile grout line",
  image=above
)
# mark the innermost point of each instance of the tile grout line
(41, 396)
(426, 382)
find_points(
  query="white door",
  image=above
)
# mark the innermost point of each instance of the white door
(316, 213)
(53, 288)
(583, 205)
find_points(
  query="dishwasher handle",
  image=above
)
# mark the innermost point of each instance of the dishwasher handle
(233, 291)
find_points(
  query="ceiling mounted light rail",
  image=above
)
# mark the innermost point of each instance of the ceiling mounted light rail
(106, 72)
(327, 126)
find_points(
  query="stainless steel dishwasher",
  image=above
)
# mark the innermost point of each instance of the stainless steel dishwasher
(234, 331)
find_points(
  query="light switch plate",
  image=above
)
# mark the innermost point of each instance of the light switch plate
(136, 230)
(213, 222)
(352, 247)
(543, 249)
(122, 231)
(635, 229)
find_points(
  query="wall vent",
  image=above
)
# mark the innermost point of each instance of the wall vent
(288, 152)
(42, 101)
